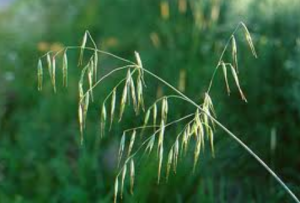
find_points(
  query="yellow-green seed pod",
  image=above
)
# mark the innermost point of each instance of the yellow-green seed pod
(154, 115)
(121, 148)
(103, 120)
(80, 120)
(131, 143)
(96, 65)
(65, 69)
(160, 161)
(249, 40)
(113, 106)
(116, 189)
(123, 101)
(225, 77)
(49, 65)
(83, 44)
(40, 75)
(234, 53)
(53, 73)
(150, 144)
(132, 174)
(123, 179)
(169, 163)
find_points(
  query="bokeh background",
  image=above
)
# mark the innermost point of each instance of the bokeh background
(41, 159)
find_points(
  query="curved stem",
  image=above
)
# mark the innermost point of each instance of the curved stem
(240, 142)
(221, 57)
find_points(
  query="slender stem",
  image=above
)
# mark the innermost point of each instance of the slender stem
(230, 134)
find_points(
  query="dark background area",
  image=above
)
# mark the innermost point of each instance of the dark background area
(41, 159)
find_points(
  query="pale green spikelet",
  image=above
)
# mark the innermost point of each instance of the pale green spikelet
(40, 75)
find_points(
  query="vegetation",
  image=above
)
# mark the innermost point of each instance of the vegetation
(39, 139)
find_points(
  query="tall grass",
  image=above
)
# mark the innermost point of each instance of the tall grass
(199, 126)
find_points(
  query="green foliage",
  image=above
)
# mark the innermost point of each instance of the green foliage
(40, 156)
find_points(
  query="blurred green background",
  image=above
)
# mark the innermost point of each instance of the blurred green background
(41, 159)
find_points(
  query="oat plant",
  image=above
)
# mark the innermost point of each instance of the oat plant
(199, 126)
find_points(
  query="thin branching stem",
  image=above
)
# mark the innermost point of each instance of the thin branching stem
(222, 55)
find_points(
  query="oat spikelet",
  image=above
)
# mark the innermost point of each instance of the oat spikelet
(146, 120)
(161, 154)
(150, 144)
(49, 65)
(132, 174)
(123, 179)
(236, 79)
(40, 75)
(211, 139)
(53, 73)
(116, 189)
(249, 40)
(140, 66)
(154, 115)
(123, 101)
(184, 142)
(85, 108)
(131, 142)
(169, 163)
(103, 120)
(164, 109)
(122, 148)
(83, 44)
(175, 155)
(234, 54)
(133, 95)
(90, 80)
(113, 106)
(65, 69)
(80, 120)
(96, 64)
(140, 94)
(225, 77)
(161, 134)
(197, 153)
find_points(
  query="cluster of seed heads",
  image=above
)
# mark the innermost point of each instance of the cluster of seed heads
(199, 125)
